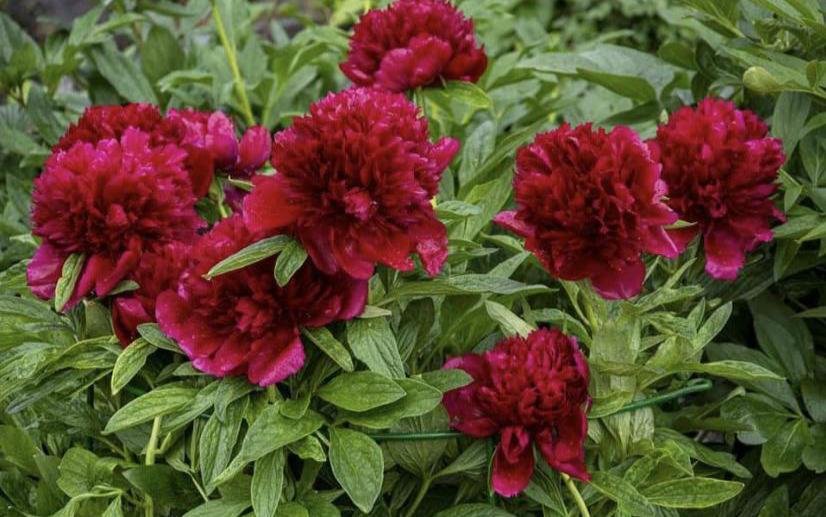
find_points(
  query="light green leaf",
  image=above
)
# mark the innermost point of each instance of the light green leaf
(421, 398)
(331, 346)
(473, 510)
(692, 492)
(784, 450)
(72, 269)
(129, 363)
(253, 253)
(123, 74)
(361, 391)
(510, 323)
(289, 262)
(158, 402)
(267, 483)
(373, 343)
(628, 499)
(358, 465)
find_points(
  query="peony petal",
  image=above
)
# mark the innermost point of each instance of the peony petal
(267, 208)
(254, 150)
(44, 270)
(725, 254)
(274, 361)
(659, 242)
(201, 169)
(465, 413)
(346, 252)
(564, 450)
(221, 140)
(127, 314)
(513, 462)
(509, 221)
(620, 285)
(316, 240)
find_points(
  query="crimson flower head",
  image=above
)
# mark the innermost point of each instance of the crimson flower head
(354, 184)
(414, 43)
(157, 271)
(528, 391)
(721, 169)
(106, 122)
(242, 322)
(112, 202)
(589, 204)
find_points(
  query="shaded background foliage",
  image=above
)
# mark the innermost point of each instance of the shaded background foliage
(628, 62)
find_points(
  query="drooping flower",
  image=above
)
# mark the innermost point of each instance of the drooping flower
(721, 169)
(414, 43)
(589, 204)
(242, 323)
(157, 271)
(355, 180)
(528, 391)
(112, 202)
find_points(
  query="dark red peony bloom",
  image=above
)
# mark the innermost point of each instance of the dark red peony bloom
(589, 204)
(112, 202)
(528, 391)
(156, 272)
(355, 179)
(209, 138)
(242, 323)
(414, 43)
(721, 169)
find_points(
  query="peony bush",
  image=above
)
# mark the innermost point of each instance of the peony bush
(414, 258)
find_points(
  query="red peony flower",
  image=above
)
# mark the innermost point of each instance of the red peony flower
(242, 322)
(528, 391)
(112, 202)
(253, 151)
(108, 122)
(721, 169)
(156, 272)
(355, 179)
(414, 43)
(590, 202)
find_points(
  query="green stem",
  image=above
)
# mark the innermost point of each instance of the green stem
(229, 48)
(151, 449)
(583, 509)
(408, 437)
(419, 497)
(491, 450)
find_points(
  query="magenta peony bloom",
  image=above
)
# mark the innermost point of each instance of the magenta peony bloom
(528, 391)
(253, 151)
(242, 323)
(355, 179)
(589, 204)
(414, 43)
(112, 202)
(721, 169)
(156, 272)
(110, 122)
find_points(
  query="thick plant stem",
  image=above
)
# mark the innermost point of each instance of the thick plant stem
(151, 450)
(419, 497)
(580, 502)
(232, 59)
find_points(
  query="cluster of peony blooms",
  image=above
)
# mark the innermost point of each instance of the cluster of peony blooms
(590, 202)
(353, 183)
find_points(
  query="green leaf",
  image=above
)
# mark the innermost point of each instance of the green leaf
(289, 262)
(510, 323)
(361, 391)
(129, 363)
(219, 508)
(253, 253)
(161, 53)
(692, 492)
(733, 370)
(814, 397)
(447, 379)
(267, 483)
(777, 504)
(123, 74)
(420, 457)
(473, 510)
(373, 343)
(626, 85)
(466, 284)
(358, 465)
(41, 111)
(72, 269)
(270, 431)
(467, 93)
(81, 470)
(420, 398)
(19, 449)
(628, 499)
(472, 459)
(153, 334)
(331, 346)
(218, 440)
(158, 402)
(814, 456)
(783, 337)
(784, 450)
(164, 485)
